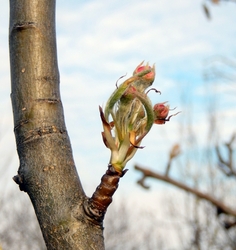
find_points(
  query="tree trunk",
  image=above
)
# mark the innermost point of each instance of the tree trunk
(47, 171)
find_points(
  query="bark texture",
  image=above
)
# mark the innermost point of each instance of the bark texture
(47, 171)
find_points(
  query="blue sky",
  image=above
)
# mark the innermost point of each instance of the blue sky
(99, 41)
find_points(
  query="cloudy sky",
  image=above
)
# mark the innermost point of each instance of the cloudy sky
(99, 41)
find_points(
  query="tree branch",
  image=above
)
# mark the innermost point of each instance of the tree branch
(227, 166)
(97, 205)
(219, 205)
(174, 152)
(47, 170)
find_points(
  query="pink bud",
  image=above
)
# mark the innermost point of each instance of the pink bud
(129, 93)
(161, 112)
(149, 76)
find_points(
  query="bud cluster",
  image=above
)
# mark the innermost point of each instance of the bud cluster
(129, 116)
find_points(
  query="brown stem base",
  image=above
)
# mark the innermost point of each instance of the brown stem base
(96, 206)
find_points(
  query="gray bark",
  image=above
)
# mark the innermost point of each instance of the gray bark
(47, 170)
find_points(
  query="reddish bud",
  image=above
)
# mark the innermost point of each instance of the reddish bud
(130, 92)
(149, 76)
(161, 112)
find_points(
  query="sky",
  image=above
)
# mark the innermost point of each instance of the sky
(99, 41)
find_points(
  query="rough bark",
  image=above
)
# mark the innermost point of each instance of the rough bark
(47, 171)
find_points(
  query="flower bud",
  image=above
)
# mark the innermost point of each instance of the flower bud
(142, 68)
(161, 112)
(145, 76)
(129, 115)
(129, 93)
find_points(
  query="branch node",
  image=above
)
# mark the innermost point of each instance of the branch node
(19, 26)
(142, 184)
(20, 181)
(49, 100)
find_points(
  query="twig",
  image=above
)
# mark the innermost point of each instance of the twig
(219, 205)
(96, 206)
(227, 165)
(174, 152)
